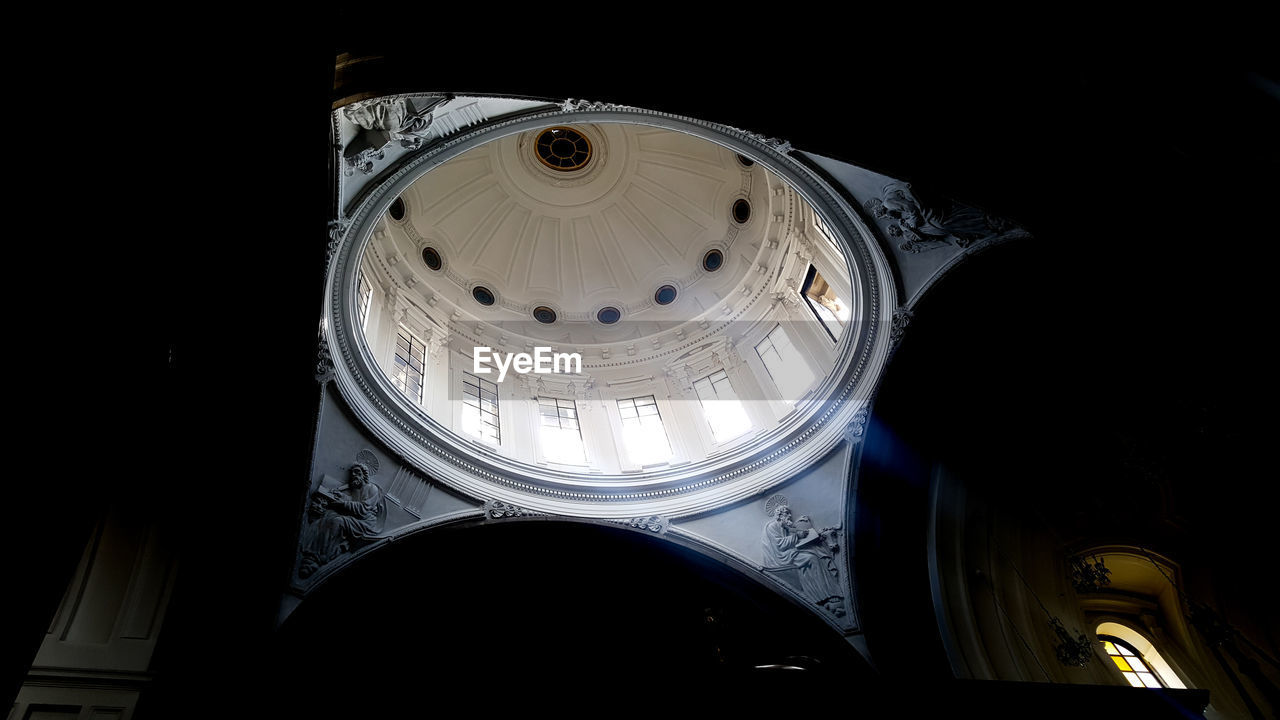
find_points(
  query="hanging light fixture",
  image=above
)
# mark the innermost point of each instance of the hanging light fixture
(1088, 574)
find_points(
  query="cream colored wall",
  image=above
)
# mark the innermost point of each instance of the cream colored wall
(94, 660)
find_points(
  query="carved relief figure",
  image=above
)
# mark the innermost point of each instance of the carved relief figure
(923, 226)
(797, 545)
(340, 516)
(385, 121)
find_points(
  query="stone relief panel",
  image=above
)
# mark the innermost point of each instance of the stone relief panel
(374, 135)
(343, 517)
(408, 490)
(795, 536)
(802, 554)
(920, 226)
(922, 235)
(361, 495)
(383, 121)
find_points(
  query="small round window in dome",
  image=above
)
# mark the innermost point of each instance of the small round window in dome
(544, 314)
(563, 149)
(741, 211)
(397, 209)
(745, 161)
(431, 257)
(665, 295)
(609, 315)
(483, 295)
(712, 261)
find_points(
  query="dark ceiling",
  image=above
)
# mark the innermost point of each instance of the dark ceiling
(1128, 342)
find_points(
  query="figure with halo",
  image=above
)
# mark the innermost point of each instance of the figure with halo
(342, 517)
(798, 545)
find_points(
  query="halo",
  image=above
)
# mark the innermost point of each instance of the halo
(369, 460)
(774, 502)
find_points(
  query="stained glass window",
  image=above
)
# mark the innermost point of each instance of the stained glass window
(1130, 662)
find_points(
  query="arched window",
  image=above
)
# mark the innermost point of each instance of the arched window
(1136, 658)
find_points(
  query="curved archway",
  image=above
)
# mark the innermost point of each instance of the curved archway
(1144, 649)
(581, 609)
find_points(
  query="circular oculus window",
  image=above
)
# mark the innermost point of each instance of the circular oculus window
(665, 295)
(483, 295)
(713, 260)
(432, 258)
(563, 149)
(396, 211)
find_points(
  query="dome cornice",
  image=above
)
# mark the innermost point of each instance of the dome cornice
(770, 458)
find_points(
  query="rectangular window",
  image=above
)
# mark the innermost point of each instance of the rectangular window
(642, 431)
(825, 232)
(480, 408)
(561, 432)
(787, 368)
(364, 295)
(822, 300)
(720, 404)
(407, 371)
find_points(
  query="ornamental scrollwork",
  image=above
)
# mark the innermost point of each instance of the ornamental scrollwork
(653, 523)
(781, 146)
(337, 229)
(901, 319)
(324, 360)
(572, 105)
(858, 425)
(496, 509)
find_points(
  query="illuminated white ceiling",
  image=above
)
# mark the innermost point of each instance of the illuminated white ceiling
(642, 214)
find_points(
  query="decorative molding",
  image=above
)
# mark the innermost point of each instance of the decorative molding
(858, 425)
(653, 523)
(780, 146)
(337, 230)
(901, 319)
(571, 105)
(324, 359)
(497, 509)
(436, 451)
